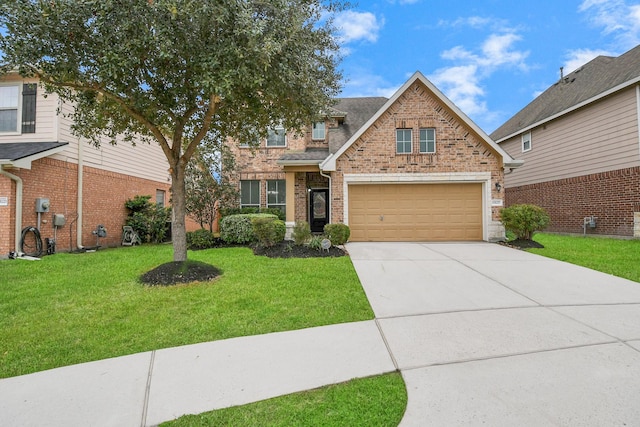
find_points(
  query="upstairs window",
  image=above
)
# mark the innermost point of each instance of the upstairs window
(403, 141)
(250, 193)
(16, 116)
(276, 137)
(427, 140)
(526, 142)
(9, 103)
(318, 132)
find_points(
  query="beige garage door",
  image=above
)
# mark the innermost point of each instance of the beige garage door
(415, 212)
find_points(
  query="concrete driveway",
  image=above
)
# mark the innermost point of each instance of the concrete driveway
(485, 334)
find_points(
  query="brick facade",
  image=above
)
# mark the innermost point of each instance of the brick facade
(458, 149)
(104, 194)
(613, 197)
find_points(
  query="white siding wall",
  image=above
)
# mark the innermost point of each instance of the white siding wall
(143, 161)
(601, 137)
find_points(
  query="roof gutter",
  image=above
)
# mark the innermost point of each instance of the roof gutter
(573, 108)
(18, 181)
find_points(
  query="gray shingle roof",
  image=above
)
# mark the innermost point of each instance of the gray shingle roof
(13, 151)
(594, 78)
(310, 155)
(358, 112)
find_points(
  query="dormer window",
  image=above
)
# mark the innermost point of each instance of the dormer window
(318, 132)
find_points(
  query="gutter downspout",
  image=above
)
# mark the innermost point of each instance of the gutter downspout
(18, 181)
(80, 187)
(330, 207)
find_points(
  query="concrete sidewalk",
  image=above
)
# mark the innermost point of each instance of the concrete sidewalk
(482, 334)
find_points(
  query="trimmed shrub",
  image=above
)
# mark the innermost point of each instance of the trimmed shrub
(237, 229)
(201, 239)
(268, 231)
(242, 211)
(337, 233)
(524, 220)
(149, 220)
(301, 233)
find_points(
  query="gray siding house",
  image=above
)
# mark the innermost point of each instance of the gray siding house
(580, 144)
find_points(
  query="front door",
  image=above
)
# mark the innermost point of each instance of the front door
(319, 210)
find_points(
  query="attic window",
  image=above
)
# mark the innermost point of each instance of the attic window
(526, 142)
(403, 141)
(318, 133)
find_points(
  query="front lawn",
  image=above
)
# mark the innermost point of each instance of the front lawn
(614, 256)
(73, 308)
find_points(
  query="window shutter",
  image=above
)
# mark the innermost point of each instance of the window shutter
(29, 92)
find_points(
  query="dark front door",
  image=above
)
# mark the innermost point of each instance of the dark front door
(319, 210)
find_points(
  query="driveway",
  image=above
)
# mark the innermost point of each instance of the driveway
(485, 334)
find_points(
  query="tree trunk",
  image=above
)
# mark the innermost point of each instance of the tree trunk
(178, 229)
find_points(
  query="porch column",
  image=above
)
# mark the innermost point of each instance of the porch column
(291, 196)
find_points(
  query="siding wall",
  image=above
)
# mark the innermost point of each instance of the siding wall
(601, 137)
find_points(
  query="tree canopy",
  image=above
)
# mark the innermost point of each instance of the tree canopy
(178, 72)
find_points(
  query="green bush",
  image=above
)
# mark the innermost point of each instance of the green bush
(237, 229)
(242, 211)
(268, 231)
(149, 220)
(301, 233)
(337, 233)
(201, 239)
(524, 220)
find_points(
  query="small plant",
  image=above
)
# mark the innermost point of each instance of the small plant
(337, 233)
(301, 233)
(268, 230)
(201, 239)
(251, 210)
(237, 229)
(524, 220)
(316, 242)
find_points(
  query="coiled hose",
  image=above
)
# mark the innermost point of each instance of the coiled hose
(31, 247)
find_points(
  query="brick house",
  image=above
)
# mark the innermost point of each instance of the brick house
(580, 142)
(409, 168)
(41, 160)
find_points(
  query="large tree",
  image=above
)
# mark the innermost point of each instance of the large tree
(174, 71)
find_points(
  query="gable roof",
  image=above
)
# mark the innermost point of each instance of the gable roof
(21, 154)
(598, 78)
(330, 163)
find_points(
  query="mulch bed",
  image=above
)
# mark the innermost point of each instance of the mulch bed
(522, 244)
(289, 250)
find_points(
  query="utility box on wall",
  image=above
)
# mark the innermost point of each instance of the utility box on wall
(42, 204)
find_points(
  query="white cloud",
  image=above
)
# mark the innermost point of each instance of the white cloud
(354, 26)
(363, 83)
(462, 82)
(577, 58)
(616, 17)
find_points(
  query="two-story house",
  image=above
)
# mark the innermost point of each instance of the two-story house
(580, 140)
(412, 167)
(54, 181)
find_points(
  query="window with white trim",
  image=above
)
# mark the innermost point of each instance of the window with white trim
(250, 193)
(160, 198)
(403, 141)
(18, 108)
(277, 194)
(526, 141)
(9, 103)
(318, 132)
(276, 137)
(428, 140)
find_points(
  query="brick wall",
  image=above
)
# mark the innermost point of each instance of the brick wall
(104, 195)
(610, 196)
(457, 148)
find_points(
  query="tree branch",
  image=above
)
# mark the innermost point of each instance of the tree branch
(214, 101)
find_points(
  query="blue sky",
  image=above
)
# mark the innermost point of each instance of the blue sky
(490, 57)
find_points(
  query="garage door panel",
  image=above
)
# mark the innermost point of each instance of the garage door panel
(415, 212)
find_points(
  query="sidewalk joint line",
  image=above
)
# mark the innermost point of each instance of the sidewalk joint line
(386, 343)
(145, 404)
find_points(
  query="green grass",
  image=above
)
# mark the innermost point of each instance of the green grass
(614, 256)
(376, 401)
(73, 308)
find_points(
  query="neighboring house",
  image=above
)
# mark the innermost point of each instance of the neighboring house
(41, 160)
(409, 168)
(581, 146)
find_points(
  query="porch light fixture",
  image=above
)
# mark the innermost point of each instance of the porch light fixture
(498, 187)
